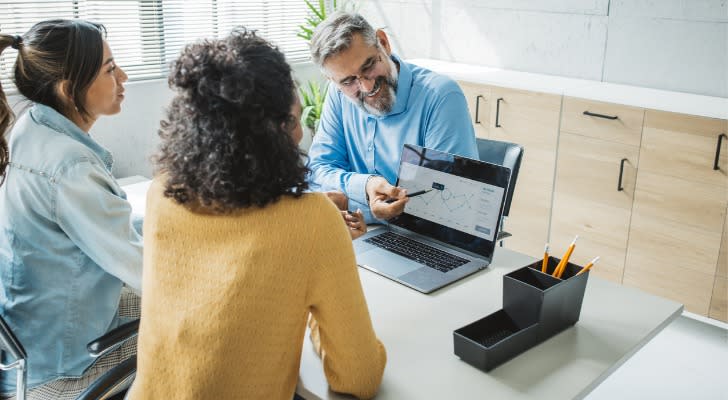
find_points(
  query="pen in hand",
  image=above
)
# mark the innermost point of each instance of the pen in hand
(413, 194)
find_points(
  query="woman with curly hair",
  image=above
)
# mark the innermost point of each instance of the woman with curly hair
(237, 253)
(67, 241)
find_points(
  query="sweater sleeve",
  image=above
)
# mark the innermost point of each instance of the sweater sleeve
(353, 358)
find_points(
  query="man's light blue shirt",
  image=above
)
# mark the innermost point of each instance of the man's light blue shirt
(67, 244)
(351, 145)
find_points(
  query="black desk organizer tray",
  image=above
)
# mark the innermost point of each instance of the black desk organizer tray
(536, 306)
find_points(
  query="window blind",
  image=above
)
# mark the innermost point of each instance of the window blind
(146, 35)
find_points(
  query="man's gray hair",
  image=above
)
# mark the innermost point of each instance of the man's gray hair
(334, 35)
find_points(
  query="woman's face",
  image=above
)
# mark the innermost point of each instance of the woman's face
(296, 129)
(106, 93)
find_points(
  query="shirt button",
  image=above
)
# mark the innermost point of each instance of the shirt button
(369, 148)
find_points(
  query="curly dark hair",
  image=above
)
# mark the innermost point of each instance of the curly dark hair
(226, 141)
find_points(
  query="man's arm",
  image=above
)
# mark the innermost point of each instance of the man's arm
(329, 157)
(449, 128)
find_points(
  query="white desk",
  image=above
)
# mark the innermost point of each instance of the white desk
(416, 329)
(136, 192)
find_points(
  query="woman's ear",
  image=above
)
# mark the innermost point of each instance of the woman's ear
(63, 90)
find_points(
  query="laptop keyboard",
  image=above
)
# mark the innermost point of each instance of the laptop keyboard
(416, 251)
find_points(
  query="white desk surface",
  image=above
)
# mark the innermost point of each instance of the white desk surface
(417, 330)
(663, 100)
(136, 192)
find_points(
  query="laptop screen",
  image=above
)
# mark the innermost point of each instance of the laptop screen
(462, 200)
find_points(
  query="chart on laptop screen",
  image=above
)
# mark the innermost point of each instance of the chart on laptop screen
(456, 202)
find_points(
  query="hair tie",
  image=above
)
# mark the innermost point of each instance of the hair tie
(17, 41)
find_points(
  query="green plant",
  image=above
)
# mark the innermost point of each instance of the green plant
(313, 93)
(312, 102)
(312, 21)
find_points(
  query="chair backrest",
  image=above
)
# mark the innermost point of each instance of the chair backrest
(505, 154)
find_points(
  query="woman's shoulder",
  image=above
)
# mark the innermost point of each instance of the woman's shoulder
(314, 203)
(43, 147)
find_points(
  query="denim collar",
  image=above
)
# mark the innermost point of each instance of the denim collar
(51, 118)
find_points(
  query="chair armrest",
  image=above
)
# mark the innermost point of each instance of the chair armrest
(502, 235)
(113, 339)
(113, 381)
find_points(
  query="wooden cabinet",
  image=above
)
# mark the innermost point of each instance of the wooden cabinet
(530, 119)
(595, 180)
(679, 209)
(663, 232)
(719, 300)
(478, 97)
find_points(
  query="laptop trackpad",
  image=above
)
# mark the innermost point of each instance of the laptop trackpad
(386, 261)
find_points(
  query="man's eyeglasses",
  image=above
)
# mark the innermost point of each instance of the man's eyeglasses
(367, 72)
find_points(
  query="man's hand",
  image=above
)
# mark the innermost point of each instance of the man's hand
(355, 222)
(379, 192)
(339, 198)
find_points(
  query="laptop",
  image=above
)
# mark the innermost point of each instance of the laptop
(448, 230)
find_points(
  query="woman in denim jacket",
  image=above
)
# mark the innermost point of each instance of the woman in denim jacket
(67, 241)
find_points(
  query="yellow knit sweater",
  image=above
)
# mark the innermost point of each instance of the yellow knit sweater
(227, 297)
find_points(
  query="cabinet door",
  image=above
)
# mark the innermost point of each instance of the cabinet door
(530, 119)
(587, 201)
(478, 97)
(719, 301)
(679, 209)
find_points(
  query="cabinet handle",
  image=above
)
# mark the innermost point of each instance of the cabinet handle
(497, 112)
(621, 172)
(591, 114)
(717, 151)
(477, 109)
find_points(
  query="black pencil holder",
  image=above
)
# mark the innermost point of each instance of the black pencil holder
(536, 306)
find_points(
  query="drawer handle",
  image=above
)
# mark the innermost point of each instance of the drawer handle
(591, 114)
(497, 112)
(477, 109)
(621, 172)
(717, 151)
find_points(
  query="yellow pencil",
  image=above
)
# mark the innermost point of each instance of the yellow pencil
(565, 259)
(545, 262)
(588, 266)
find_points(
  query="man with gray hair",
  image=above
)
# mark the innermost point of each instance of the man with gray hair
(377, 103)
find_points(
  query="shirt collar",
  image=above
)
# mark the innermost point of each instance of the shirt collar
(404, 85)
(51, 118)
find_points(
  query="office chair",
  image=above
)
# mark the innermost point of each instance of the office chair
(112, 385)
(9, 344)
(508, 155)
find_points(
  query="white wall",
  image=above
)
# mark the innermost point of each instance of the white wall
(668, 44)
(131, 135)
(679, 45)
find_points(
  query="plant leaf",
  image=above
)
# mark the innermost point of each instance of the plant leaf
(314, 10)
(307, 117)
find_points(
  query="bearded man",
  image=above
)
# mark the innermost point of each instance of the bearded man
(377, 103)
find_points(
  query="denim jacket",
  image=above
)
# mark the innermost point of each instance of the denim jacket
(67, 244)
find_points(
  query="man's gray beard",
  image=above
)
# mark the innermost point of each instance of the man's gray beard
(385, 103)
